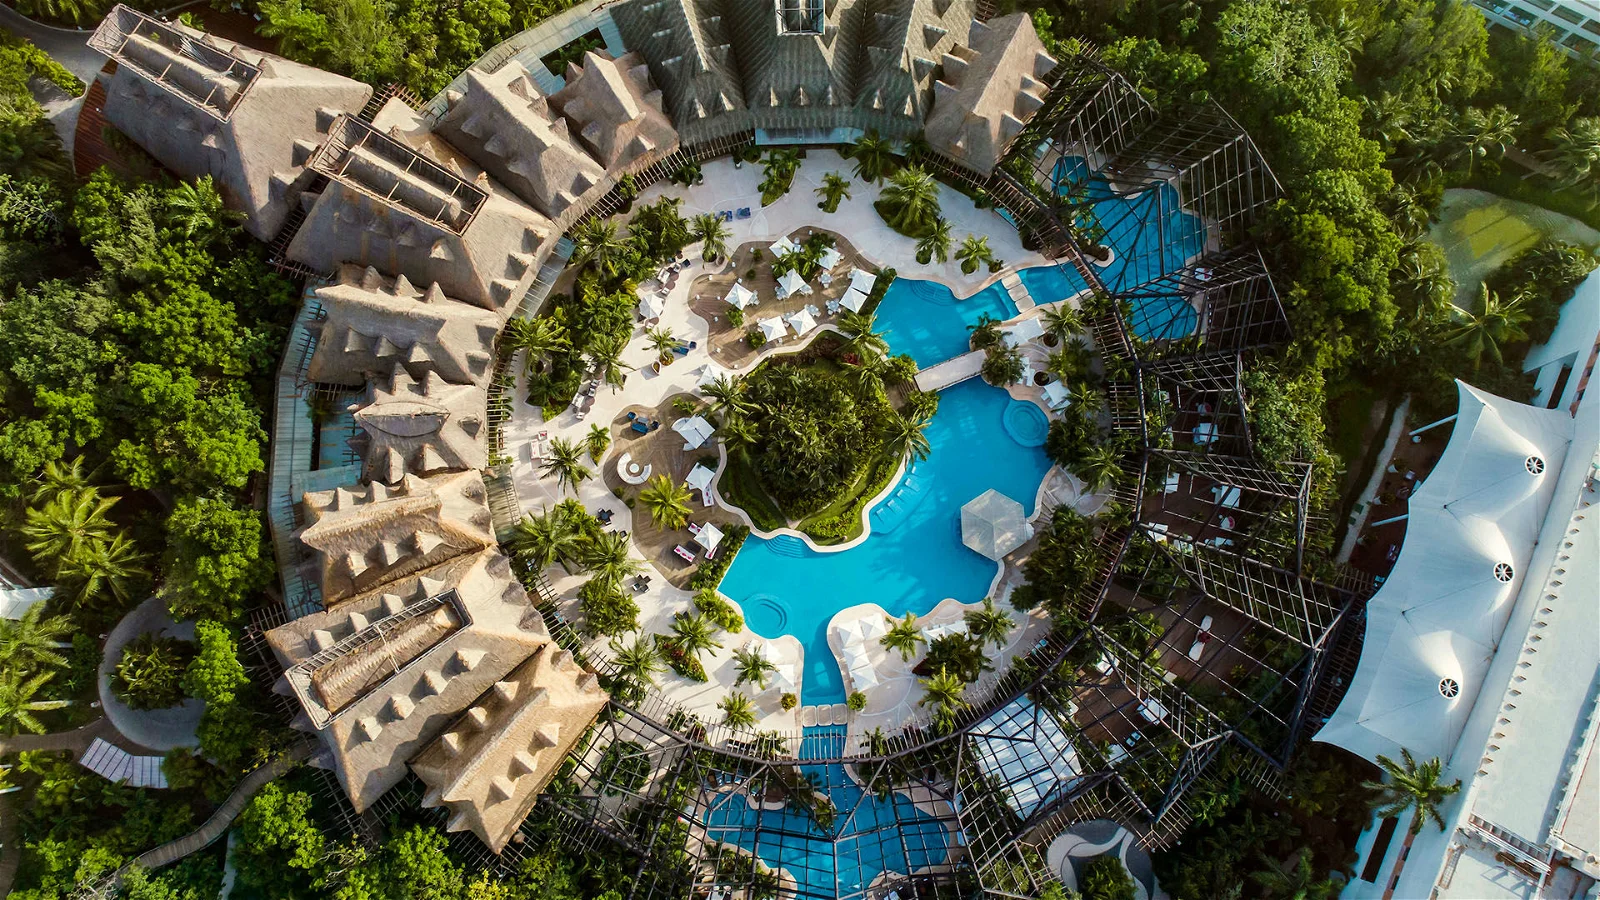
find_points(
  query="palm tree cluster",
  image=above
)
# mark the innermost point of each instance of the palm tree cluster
(30, 657)
(778, 170)
(834, 189)
(910, 204)
(572, 538)
(1487, 332)
(873, 156)
(69, 531)
(975, 251)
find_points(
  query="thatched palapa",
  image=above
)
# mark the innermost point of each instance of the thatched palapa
(421, 426)
(616, 111)
(989, 91)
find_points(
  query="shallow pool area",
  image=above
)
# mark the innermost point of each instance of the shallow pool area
(914, 557)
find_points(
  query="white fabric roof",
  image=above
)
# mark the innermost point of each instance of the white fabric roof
(994, 524)
(853, 300)
(1024, 748)
(1056, 395)
(862, 281)
(740, 296)
(1022, 332)
(709, 537)
(830, 258)
(15, 602)
(791, 283)
(651, 306)
(1443, 608)
(695, 430)
(772, 328)
(801, 321)
(699, 479)
(782, 245)
(710, 372)
(863, 677)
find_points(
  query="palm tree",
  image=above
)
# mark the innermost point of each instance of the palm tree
(114, 566)
(713, 233)
(1062, 321)
(936, 243)
(1498, 324)
(835, 187)
(17, 706)
(69, 522)
(694, 633)
(944, 690)
(1002, 365)
(911, 200)
(989, 624)
(660, 339)
(597, 241)
(77, 11)
(753, 667)
(637, 664)
(1389, 119)
(727, 395)
(1479, 135)
(605, 355)
(903, 637)
(606, 555)
(668, 502)
(778, 168)
(195, 209)
(985, 333)
(1575, 150)
(1299, 884)
(566, 463)
(536, 338)
(737, 432)
(59, 477)
(1407, 210)
(857, 327)
(1100, 468)
(597, 441)
(869, 373)
(737, 711)
(906, 437)
(973, 252)
(1411, 786)
(874, 157)
(542, 541)
(33, 641)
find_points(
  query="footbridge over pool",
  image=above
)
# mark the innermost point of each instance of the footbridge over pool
(954, 370)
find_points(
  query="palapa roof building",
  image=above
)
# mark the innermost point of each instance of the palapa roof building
(202, 106)
(490, 765)
(616, 112)
(988, 91)
(371, 323)
(421, 426)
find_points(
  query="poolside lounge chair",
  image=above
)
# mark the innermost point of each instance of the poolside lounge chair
(639, 426)
(744, 212)
(683, 553)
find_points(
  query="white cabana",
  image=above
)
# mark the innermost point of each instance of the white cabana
(934, 632)
(790, 284)
(771, 328)
(830, 258)
(862, 281)
(801, 321)
(994, 525)
(1434, 625)
(740, 296)
(652, 305)
(853, 300)
(1056, 395)
(695, 431)
(873, 627)
(699, 479)
(708, 537)
(710, 372)
(782, 245)
(1019, 333)
(849, 633)
(864, 677)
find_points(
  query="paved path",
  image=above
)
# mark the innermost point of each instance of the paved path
(74, 742)
(158, 729)
(68, 46)
(1364, 504)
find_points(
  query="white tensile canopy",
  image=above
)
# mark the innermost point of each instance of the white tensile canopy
(771, 328)
(1024, 747)
(801, 321)
(695, 430)
(853, 300)
(831, 258)
(863, 677)
(709, 537)
(782, 245)
(1433, 627)
(651, 306)
(849, 633)
(1056, 395)
(1019, 333)
(791, 283)
(740, 296)
(699, 479)
(994, 525)
(15, 602)
(873, 627)
(862, 281)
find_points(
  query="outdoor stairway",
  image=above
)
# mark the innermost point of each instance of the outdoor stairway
(1019, 294)
(954, 370)
(787, 545)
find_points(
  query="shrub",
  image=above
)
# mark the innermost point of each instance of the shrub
(1105, 878)
(718, 610)
(788, 701)
(755, 339)
(735, 316)
(685, 664)
(709, 574)
(856, 701)
(150, 673)
(606, 609)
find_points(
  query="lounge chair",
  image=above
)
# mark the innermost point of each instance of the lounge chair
(683, 553)
(744, 212)
(640, 426)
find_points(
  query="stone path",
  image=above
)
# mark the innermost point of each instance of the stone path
(68, 46)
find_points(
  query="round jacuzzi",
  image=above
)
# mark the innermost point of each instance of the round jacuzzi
(766, 615)
(1027, 424)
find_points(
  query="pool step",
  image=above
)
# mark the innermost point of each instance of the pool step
(1019, 293)
(784, 545)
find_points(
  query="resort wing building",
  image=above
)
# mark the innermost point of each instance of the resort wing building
(988, 91)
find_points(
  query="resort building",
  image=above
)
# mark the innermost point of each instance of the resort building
(1572, 25)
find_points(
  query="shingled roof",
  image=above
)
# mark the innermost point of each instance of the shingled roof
(616, 111)
(371, 322)
(691, 58)
(364, 536)
(491, 764)
(389, 206)
(380, 675)
(989, 91)
(421, 426)
(202, 105)
(505, 125)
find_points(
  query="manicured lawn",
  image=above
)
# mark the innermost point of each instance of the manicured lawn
(741, 488)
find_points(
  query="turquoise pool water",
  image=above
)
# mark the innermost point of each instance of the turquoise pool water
(914, 557)
(871, 836)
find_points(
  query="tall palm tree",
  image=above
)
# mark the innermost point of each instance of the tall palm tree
(857, 327)
(566, 463)
(753, 667)
(33, 641)
(597, 441)
(637, 664)
(779, 168)
(935, 244)
(1498, 323)
(906, 437)
(75, 11)
(1479, 134)
(195, 209)
(869, 373)
(597, 241)
(59, 477)
(660, 339)
(1100, 468)
(714, 234)
(911, 200)
(1412, 786)
(944, 690)
(542, 541)
(973, 252)
(64, 526)
(694, 633)
(102, 567)
(737, 433)
(903, 637)
(1388, 119)
(606, 555)
(537, 339)
(1575, 150)
(1300, 883)
(1062, 321)
(17, 703)
(835, 187)
(668, 502)
(737, 711)
(1407, 210)
(605, 355)
(874, 157)
(985, 332)
(727, 395)
(1002, 365)
(990, 624)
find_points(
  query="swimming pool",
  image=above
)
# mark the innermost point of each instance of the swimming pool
(914, 557)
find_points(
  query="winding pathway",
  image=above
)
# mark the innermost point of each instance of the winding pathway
(68, 46)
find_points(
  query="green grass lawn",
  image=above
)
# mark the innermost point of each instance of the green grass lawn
(740, 487)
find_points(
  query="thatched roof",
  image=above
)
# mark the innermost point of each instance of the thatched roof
(691, 58)
(989, 91)
(421, 426)
(389, 206)
(380, 675)
(491, 764)
(505, 124)
(202, 105)
(372, 322)
(362, 537)
(616, 111)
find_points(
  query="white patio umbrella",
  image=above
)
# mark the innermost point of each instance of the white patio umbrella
(1056, 395)
(699, 479)
(853, 300)
(709, 537)
(782, 245)
(791, 283)
(740, 296)
(801, 321)
(830, 258)
(772, 328)
(862, 281)
(695, 431)
(994, 524)
(708, 373)
(651, 306)
(1019, 333)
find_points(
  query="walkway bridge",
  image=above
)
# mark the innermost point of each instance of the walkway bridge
(954, 370)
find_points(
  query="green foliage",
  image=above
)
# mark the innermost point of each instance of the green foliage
(215, 675)
(607, 609)
(856, 701)
(150, 672)
(709, 573)
(718, 610)
(214, 559)
(1106, 878)
(279, 848)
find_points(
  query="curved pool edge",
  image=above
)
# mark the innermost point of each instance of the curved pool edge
(866, 511)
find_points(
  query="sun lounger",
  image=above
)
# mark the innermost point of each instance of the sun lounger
(683, 554)
(744, 212)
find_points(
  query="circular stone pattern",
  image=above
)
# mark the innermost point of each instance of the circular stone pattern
(1027, 424)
